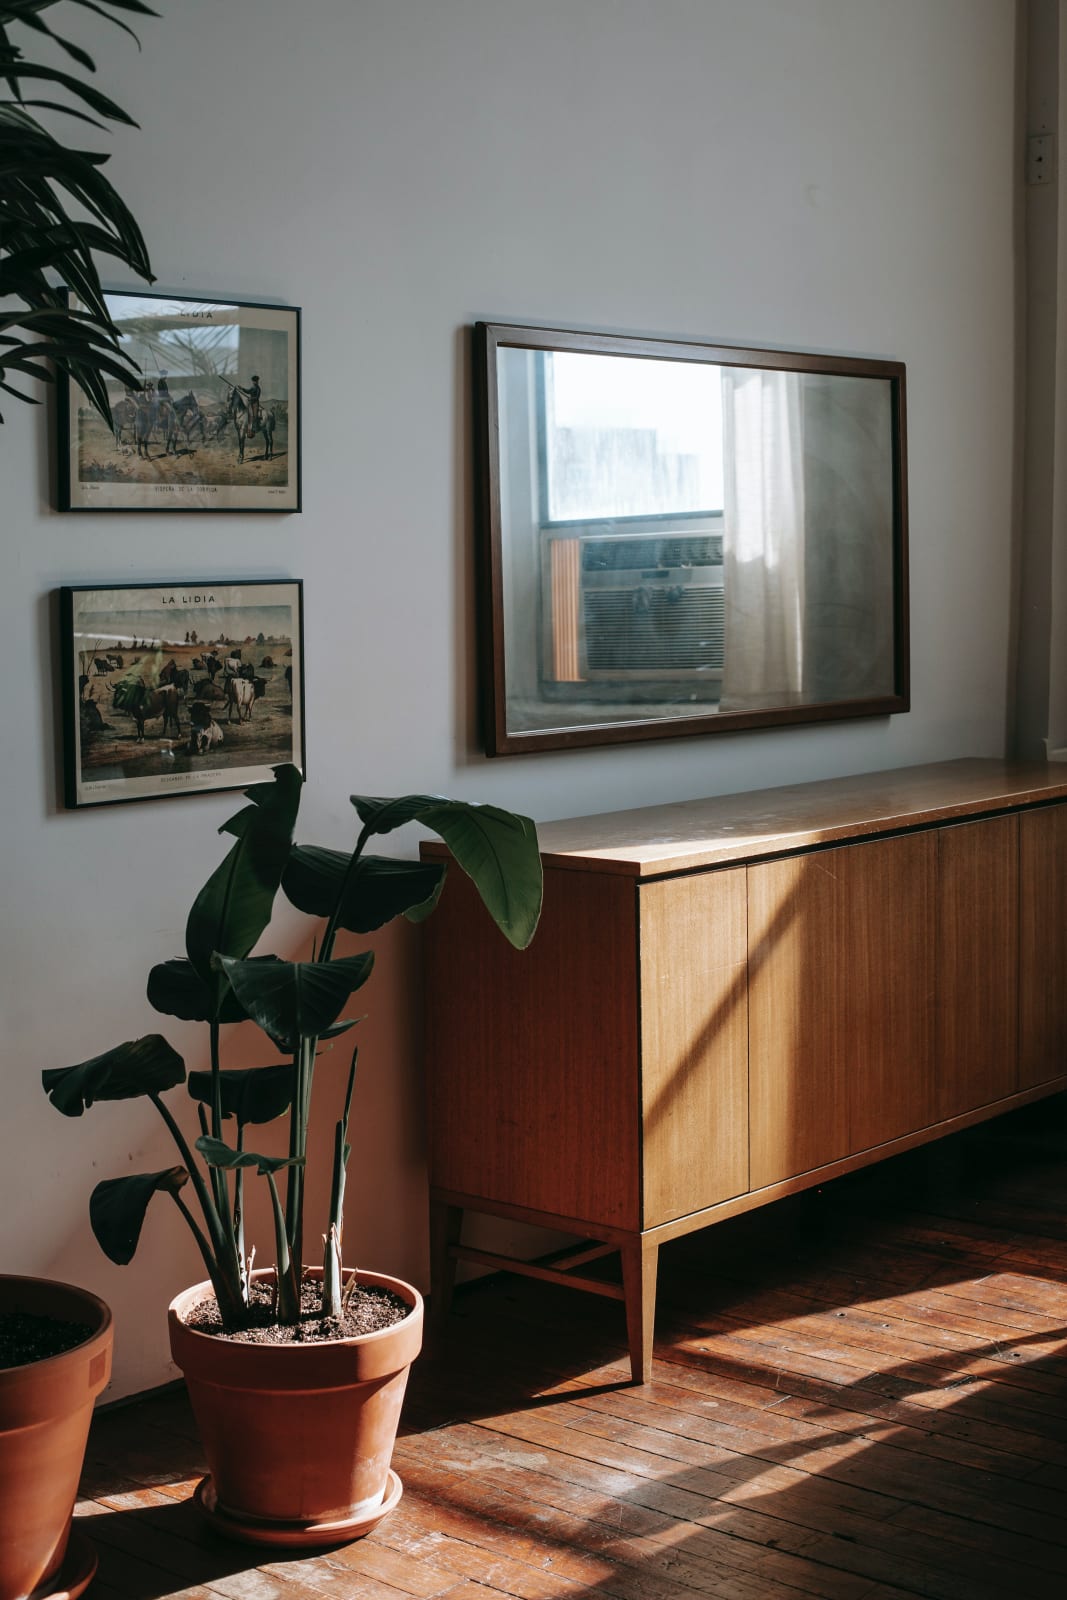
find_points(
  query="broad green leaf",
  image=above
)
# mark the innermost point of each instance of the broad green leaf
(234, 907)
(382, 816)
(138, 1067)
(497, 849)
(251, 1094)
(117, 1209)
(294, 1000)
(217, 1154)
(379, 888)
(177, 989)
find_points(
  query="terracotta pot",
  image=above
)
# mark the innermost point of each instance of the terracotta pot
(298, 1437)
(45, 1411)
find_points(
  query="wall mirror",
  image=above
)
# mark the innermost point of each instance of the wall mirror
(681, 538)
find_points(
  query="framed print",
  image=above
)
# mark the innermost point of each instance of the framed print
(177, 688)
(214, 424)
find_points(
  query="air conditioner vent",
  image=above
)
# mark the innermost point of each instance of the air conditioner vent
(654, 629)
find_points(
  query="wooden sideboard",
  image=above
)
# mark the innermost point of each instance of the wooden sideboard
(732, 999)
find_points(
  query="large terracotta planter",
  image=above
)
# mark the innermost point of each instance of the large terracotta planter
(298, 1437)
(45, 1411)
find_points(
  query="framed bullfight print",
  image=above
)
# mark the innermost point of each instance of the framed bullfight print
(211, 423)
(179, 688)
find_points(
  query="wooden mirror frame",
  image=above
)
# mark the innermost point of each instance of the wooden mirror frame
(498, 738)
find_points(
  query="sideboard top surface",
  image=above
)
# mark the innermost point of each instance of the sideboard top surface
(685, 835)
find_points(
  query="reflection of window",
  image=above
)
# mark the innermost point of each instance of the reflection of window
(626, 437)
(626, 606)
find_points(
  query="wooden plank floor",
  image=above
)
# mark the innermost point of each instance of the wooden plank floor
(859, 1394)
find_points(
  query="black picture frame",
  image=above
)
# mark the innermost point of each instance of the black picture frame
(206, 441)
(141, 721)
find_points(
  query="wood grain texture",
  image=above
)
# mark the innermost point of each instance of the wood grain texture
(798, 1106)
(754, 1199)
(714, 832)
(978, 953)
(532, 1055)
(596, 1083)
(640, 1270)
(889, 923)
(857, 1396)
(841, 947)
(1042, 944)
(694, 1042)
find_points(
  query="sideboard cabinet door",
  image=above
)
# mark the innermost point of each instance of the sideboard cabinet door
(1042, 945)
(841, 968)
(694, 1042)
(889, 1008)
(534, 1080)
(977, 1014)
(798, 1112)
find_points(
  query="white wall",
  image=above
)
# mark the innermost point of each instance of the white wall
(828, 175)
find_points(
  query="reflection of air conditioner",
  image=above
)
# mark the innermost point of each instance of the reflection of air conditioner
(628, 607)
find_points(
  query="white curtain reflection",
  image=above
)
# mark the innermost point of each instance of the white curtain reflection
(763, 538)
(807, 539)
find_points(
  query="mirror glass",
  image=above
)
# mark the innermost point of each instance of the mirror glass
(681, 537)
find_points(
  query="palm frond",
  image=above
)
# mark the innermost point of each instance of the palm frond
(44, 251)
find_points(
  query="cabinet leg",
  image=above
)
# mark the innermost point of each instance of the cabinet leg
(640, 1260)
(445, 1224)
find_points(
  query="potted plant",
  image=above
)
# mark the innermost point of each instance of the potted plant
(55, 1358)
(297, 1414)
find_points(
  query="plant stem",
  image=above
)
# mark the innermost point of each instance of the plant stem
(218, 1177)
(217, 1281)
(288, 1282)
(334, 923)
(239, 1215)
(294, 1194)
(332, 1263)
(221, 1261)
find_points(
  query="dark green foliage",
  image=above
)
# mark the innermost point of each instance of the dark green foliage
(492, 847)
(298, 1004)
(58, 213)
(379, 888)
(138, 1067)
(234, 906)
(177, 990)
(249, 1094)
(117, 1209)
(295, 1000)
(218, 1154)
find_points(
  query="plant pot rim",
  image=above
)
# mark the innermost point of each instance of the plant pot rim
(297, 1349)
(86, 1300)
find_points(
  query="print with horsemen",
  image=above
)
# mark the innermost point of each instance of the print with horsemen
(208, 417)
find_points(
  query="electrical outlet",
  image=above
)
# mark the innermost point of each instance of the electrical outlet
(1039, 158)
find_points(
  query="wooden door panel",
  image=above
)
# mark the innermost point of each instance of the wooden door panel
(888, 1005)
(1042, 945)
(694, 1042)
(798, 1111)
(533, 1054)
(841, 964)
(977, 1016)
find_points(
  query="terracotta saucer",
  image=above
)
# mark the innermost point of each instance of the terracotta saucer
(294, 1535)
(74, 1576)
